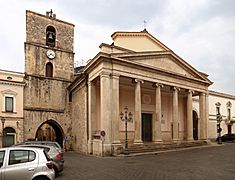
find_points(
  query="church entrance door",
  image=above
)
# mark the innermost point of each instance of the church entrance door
(146, 127)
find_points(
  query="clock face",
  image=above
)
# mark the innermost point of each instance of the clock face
(50, 54)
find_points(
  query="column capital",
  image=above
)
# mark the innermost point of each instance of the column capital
(138, 81)
(90, 83)
(190, 91)
(175, 88)
(115, 75)
(104, 74)
(158, 85)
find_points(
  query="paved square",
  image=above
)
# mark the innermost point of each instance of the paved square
(207, 163)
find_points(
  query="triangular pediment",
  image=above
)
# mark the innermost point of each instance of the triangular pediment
(165, 61)
(138, 41)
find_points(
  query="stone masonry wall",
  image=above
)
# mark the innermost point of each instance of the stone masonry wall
(79, 118)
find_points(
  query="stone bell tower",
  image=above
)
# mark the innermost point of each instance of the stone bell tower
(49, 68)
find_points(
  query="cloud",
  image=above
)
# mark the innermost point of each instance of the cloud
(202, 32)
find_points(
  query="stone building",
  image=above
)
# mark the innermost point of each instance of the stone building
(11, 105)
(225, 105)
(167, 97)
(157, 86)
(49, 69)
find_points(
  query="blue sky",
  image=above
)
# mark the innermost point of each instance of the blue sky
(201, 32)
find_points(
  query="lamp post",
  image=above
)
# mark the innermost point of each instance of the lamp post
(219, 129)
(126, 117)
(3, 123)
(219, 120)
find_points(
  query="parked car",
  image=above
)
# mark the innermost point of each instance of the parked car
(25, 163)
(228, 137)
(54, 154)
(49, 143)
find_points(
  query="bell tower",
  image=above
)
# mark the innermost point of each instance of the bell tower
(49, 69)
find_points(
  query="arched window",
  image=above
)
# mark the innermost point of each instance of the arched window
(8, 136)
(49, 69)
(50, 36)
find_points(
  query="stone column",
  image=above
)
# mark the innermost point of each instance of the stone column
(137, 115)
(158, 114)
(91, 114)
(206, 114)
(175, 115)
(115, 109)
(190, 116)
(202, 108)
(106, 108)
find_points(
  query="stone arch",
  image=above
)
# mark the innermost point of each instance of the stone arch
(50, 36)
(50, 130)
(49, 69)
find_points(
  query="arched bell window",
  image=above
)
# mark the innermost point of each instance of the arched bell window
(50, 36)
(49, 69)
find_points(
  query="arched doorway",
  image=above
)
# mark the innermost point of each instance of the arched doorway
(50, 131)
(9, 136)
(195, 125)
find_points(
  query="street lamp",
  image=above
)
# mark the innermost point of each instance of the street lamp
(127, 117)
(3, 123)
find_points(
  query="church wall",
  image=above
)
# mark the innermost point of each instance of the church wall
(166, 123)
(126, 98)
(79, 118)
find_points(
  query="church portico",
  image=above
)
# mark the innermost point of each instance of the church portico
(169, 111)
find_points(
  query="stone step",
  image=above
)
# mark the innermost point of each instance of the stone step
(152, 147)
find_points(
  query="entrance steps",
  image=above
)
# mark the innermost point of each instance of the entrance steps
(150, 148)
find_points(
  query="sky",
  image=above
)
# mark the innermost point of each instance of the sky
(201, 32)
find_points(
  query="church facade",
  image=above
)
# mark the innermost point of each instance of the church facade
(139, 72)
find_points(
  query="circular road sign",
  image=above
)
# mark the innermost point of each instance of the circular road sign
(102, 133)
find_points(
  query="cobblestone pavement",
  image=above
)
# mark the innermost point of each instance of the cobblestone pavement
(207, 163)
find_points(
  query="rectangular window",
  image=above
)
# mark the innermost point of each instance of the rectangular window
(229, 114)
(9, 104)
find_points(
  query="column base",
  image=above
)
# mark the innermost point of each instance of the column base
(176, 140)
(190, 139)
(116, 148)
(138, 142)
(159, 141)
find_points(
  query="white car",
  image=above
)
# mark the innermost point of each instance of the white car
(25, 163)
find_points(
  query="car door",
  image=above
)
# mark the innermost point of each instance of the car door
(21, 164)
(2, 157)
